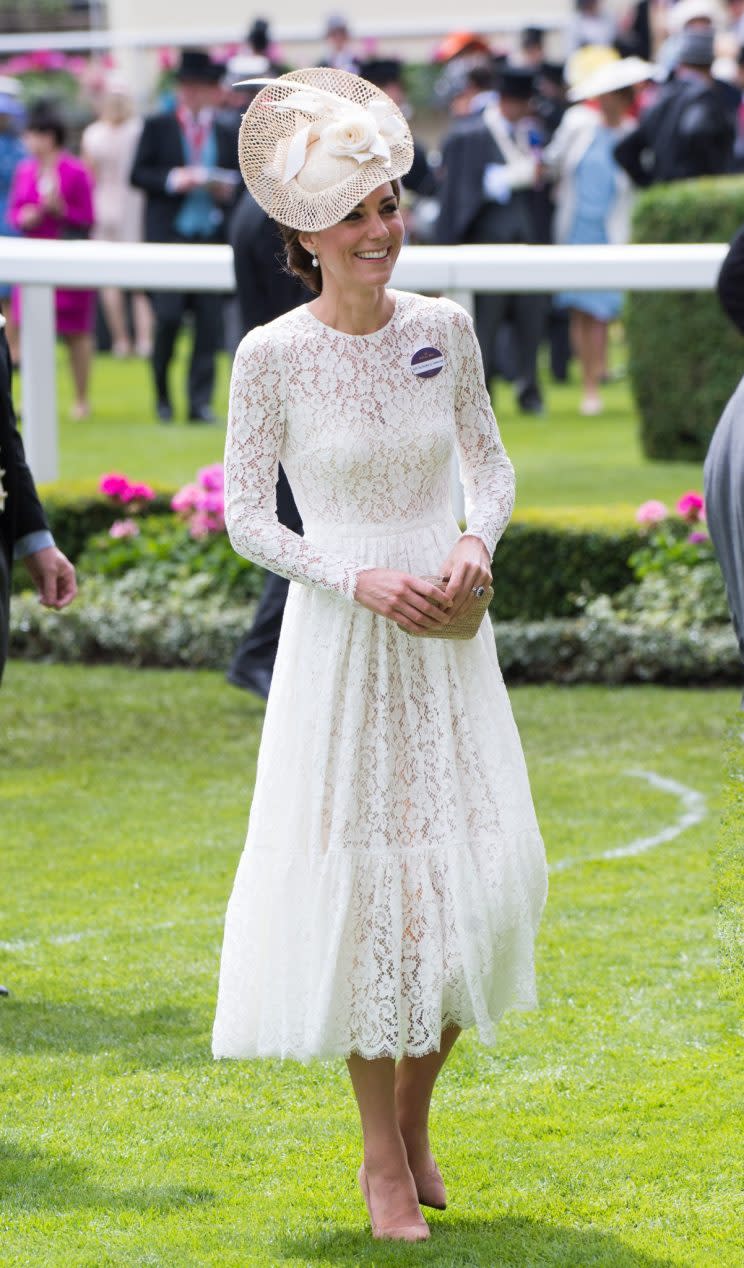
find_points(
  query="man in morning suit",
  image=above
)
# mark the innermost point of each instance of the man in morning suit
(489, 164)
(24, 532)
(265, 291)
(187, 164)
(724, 463)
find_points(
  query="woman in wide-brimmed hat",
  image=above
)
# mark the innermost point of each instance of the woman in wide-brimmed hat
(394, 875)
(594, 199)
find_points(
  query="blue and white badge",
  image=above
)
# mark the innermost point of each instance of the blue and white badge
(427, 362)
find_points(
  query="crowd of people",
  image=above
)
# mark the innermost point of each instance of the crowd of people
(394, 875)
(528, 150)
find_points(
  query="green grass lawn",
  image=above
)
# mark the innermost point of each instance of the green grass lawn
(562, 459)
(601, 1130)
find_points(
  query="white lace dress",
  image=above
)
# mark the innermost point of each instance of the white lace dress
(393, 877)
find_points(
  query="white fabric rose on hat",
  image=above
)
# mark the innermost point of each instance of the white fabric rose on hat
(354, 134)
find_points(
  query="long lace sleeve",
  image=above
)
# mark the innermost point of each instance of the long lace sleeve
(487, 473)
(255, 432)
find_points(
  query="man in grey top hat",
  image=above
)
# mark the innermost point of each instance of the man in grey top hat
(724, 465)
(689, 130)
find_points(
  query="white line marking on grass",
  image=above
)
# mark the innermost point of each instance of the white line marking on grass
(63, 939)
(694, 810)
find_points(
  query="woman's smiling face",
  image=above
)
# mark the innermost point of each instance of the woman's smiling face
(363, 247)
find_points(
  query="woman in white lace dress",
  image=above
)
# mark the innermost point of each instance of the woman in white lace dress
(394, 876)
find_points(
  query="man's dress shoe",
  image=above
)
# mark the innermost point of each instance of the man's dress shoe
(257, 680)
(202, 414)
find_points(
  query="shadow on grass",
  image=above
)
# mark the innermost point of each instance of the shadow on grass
(157, 1036)
(31, 1180)
(498, 1243)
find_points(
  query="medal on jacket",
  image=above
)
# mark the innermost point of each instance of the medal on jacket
(427, 362)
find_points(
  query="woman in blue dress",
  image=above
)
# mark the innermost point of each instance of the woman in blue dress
(594, 197)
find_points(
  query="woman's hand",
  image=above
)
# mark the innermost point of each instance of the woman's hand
(414, 604)
(53, 202)
(29, 216)
(467, 566)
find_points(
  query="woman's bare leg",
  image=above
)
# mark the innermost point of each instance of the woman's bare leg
(143, 324)
(112, 299)
(81, 355)
(584, 340)
(393, 1197)
(598, 343)
(414, 1084)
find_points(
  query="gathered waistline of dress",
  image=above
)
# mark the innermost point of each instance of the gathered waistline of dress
(386, 528)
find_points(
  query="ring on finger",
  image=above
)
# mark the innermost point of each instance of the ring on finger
(479, 591)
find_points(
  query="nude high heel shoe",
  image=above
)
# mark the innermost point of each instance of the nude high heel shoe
(396, 1233)
(431, 1190)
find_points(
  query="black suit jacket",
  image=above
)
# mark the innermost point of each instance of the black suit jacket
(22, 511)
(265, 291)
(465, 214)
(687, 132)
(159, 150)
(265, 288)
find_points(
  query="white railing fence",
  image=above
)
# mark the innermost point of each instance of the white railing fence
(37, 266)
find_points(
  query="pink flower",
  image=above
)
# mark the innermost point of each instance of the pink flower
(113, 484)
(212, 478)
(212, 503)
(199, 526)
(137, 493)
(691, 506)
(651, 512)
(124, 528)
(697, 538)
(187, 499)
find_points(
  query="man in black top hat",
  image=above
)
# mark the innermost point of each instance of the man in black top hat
(689, 130)
(187, 164)
(387, 73)
(489, 194)
(532, 47)
(265, 290)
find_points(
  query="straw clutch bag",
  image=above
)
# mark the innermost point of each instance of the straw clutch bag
(466, 624)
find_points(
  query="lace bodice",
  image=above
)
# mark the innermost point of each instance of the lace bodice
(364, 426)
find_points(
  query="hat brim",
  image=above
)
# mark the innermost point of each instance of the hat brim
(267, 130)
(614, 77)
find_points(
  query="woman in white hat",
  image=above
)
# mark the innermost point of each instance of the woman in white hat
(393, 877)
(594, 200)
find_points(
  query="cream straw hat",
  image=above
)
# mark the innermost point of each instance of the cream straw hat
(615, 75)
(315, 142)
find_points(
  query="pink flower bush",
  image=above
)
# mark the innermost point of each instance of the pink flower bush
(113, 484)
(124, 491)
(187, 499)
(697, 538)
(137, 493)
(691, 506)
(202, 504)
(124, 528)
(212, 478)
(651, 512)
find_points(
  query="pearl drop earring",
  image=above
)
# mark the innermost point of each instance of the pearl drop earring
(314, 261)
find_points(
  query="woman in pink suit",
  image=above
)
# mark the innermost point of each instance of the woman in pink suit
(52, 197)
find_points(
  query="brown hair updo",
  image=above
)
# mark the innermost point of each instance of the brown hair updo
(299, 261)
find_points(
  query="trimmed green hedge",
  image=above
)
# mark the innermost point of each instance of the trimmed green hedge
(113, 621)
(685, 357)
(540, 568)
(729, 863)
(75, 513)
